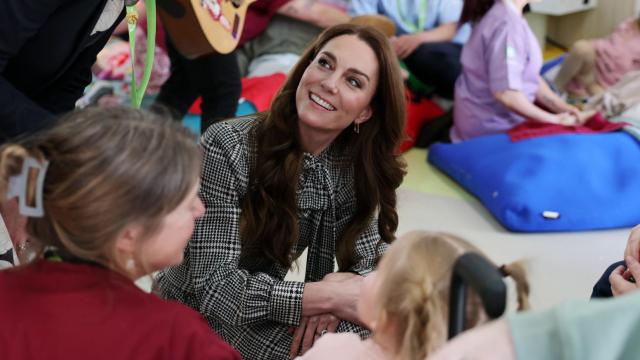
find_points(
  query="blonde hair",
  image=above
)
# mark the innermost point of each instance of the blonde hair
(108, 168)
(414, 290)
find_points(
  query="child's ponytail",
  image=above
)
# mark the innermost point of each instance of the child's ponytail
(516, 271)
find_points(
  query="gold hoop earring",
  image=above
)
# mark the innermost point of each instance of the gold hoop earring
(356, 127)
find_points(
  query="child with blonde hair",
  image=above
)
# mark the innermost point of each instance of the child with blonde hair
(405, 302)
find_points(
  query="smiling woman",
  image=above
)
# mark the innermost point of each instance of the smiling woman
(318, 171)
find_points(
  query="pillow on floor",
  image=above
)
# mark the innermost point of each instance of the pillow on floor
(554, 183)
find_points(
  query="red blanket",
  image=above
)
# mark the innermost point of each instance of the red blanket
(532, 129)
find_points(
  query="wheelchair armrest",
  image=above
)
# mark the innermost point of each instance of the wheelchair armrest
(485, 279)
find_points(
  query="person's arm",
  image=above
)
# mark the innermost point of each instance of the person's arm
(225, 291)
(363, 7)
(70, 86)
(19, 21)
(550, 100)
(340, 291)
(506, 56)
(406, 44)
(314, 12)
(517, 102)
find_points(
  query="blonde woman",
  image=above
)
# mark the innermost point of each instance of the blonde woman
(112, 195)
(405, 303)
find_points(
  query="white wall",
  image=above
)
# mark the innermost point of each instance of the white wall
(593, 23)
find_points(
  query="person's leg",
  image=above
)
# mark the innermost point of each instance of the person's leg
(217, 79)
(177, 93)
(602, 288)
(578, 65)
(436, 64)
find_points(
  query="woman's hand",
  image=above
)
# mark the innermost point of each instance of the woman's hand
(309, 330)
(623, 280)
(405, 45)
(345, 288)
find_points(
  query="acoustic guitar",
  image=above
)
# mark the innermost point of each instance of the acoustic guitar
(200, 27)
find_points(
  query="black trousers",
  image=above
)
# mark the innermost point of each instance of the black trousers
(215, 77)
(602, 288)
(437, 64)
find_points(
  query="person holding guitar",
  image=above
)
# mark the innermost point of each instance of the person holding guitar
(201, 38)
(318, 171)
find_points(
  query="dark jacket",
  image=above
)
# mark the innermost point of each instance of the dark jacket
(46, 54)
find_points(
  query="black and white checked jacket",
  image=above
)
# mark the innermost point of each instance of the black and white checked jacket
(253, 310)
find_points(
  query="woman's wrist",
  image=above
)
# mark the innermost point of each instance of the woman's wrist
(317, 298)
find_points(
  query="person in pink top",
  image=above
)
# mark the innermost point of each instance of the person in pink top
(594, 65)
(500, 86)
(405, 302)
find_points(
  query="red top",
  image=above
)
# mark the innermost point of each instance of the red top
(57, 310)
(259, 15)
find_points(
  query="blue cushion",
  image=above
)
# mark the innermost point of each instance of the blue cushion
(553, 183)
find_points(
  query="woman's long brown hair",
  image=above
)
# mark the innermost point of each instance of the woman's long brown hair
(269, 220)
(474, 10)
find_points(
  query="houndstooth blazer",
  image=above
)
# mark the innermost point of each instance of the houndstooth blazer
(252, 310)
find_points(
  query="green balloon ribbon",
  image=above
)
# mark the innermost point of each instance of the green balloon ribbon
(137, 91)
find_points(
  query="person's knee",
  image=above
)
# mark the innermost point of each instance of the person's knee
(583, 48)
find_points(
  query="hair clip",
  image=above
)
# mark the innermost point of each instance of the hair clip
(29, 197)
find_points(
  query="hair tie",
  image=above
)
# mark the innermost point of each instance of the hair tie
(503, 270)
(19, 186)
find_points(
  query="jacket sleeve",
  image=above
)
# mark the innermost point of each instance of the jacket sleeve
(368, 249)
(20, 20)
(224, 291)
(599, 329)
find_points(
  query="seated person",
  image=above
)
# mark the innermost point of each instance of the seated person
(595, 65)
(599, 329)
(114, 197)
(299, 176)
(429, 40)
(46, 52)
(278, 31)
(616, 280)
(408, 299)
(500, 83)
